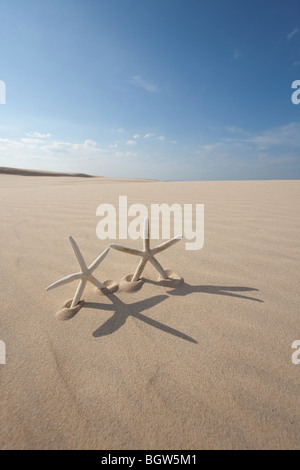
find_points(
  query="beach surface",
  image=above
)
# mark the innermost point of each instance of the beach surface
(204, 365)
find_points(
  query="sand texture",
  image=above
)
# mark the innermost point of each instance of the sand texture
(205, 364)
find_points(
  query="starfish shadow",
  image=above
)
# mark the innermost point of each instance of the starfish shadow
(122, 311)
(230, 291)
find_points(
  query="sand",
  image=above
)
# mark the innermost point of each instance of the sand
(205, 365)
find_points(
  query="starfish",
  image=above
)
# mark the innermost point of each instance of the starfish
(147, 254)
(84, 275)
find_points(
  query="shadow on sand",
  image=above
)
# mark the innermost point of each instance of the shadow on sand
(231, 291)
(122, 311)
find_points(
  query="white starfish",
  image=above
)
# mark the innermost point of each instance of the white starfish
(147, 253)
(84, 275)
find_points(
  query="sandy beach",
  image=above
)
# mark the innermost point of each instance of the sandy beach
(206, 365)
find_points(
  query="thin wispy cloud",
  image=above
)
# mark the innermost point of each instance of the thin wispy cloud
(237, 54)
(147, 136)
(38, 134)
(296, 63)
(290, 35)
(139, 82)
(288, 135)
(283, 160)
(136, 136)
(277, 145)
(156, 137)
(130, 142)
(125, 154)
(236, 130)
(7, 144)
(88, 147)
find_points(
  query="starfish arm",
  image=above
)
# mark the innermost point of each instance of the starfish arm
(158, 267)
(79, 292)
(97, 261)
(165, 245)
(78, 254)
(139, 269)
(146, 239)
(64, 280)
(96, 283)
(125, 249)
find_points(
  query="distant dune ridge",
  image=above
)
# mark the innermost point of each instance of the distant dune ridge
(29, 172)
(23, 172)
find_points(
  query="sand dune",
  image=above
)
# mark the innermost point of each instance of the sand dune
(22, 172)
(203, 365)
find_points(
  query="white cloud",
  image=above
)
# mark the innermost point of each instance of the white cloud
(130, 142)
(161, 137)
(29, 148)
(173, 141)
(138, 81)
(113, 146)
(295, 31)
(136, 136)
(91, 143)
(28, 140)
(89, 147)
(38, 134)
(146, 136)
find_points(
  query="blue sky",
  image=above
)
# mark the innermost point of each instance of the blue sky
(167, 89)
